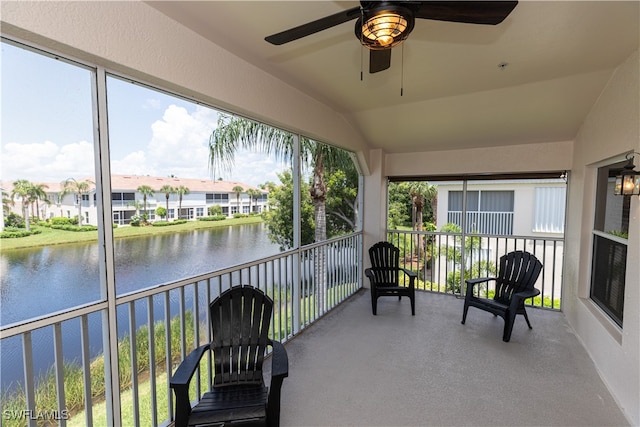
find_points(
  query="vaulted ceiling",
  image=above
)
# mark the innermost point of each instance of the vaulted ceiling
(532, 78)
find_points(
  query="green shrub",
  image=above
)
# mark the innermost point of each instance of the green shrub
(135, 221)
(13, 233)
(219, 217)
(14, 220)
(240, 215)
(60, 220)
(167, 223)
(75, 227)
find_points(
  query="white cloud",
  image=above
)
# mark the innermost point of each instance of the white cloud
(178, 146)
(47, 161)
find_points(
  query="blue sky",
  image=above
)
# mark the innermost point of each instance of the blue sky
(47, 129)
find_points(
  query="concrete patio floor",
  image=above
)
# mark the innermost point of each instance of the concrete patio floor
(355, 369)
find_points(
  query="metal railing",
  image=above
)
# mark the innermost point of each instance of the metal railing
(444, 260)
(159, 326)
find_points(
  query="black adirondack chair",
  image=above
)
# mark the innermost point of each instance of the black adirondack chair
(385, 273)
(240, 319)
(515, 283)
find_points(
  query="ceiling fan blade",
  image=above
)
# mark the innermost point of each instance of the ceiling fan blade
(379, 60)
(471, 12)
(313, 27)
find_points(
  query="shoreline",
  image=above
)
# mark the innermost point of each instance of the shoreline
(51, 237)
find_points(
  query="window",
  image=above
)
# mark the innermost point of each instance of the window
(610, 231)
(217, 198)
(488, 212)
(549, 207)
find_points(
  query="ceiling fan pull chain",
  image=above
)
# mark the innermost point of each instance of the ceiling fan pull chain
(402, 70)
(362, 50)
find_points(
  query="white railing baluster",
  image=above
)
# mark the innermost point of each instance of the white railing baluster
(152, 360)
(86, 370)
(196, 331)
(167, 336)
(59, 372)
(29, 388)
(134, 363)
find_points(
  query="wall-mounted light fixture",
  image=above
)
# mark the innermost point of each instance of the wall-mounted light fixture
(628, 182)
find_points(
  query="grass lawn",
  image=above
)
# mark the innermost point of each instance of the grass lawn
(51, 236)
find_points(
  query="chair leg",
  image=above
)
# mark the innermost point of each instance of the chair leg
(374, 304)
(508, 326)
(413, 305)
(464, 312)
(526, 318)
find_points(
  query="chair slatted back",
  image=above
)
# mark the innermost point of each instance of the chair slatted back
(240, 319)
(385, 260)
(518, 272)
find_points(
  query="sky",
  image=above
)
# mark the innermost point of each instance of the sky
(46, 127)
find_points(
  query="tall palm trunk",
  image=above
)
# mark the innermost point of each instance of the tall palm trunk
(318, 192)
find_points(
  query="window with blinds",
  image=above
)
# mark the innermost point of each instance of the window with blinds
(609, 256)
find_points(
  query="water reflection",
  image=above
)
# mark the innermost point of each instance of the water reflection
(40, 281)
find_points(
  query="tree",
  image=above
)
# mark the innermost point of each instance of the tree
(419, 192)
(279, 215)
(238, 190)
(79, 188)
(146, 191)
(254, 194)
(168, 191)
(21, 189)
(234, 133)
(182, 191)
(35, 194)
(161, 212)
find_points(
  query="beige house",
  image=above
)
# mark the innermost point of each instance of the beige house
(128, 201)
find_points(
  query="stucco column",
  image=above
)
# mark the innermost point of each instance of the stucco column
(375, 203)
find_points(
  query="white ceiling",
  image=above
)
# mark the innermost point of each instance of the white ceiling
(560, 56)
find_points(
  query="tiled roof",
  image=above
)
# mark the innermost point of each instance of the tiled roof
(132, 182)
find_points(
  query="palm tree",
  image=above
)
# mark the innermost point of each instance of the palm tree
(145, 190)
(238, 190)
(167, 190)
(78, 188)
(234, 133)
(182, 190)
(253, 195)
(419, 192)
(21, 188)
(36, 194)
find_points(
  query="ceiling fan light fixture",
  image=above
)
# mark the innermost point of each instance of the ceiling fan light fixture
(384, 27)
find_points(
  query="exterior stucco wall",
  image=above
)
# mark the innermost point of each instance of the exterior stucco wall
(535, 157)
(611, 129)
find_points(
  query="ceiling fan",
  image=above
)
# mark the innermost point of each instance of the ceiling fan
(381, 25)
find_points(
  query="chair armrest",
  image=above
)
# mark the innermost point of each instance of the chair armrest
(478, 280)
(368, 273)
(187, 367)
(180, 384)
(279, 360)
(519, 297)
(471, 283)
(412, 275)
(525, 294)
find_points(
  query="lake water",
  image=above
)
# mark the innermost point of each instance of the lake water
(39, 281)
